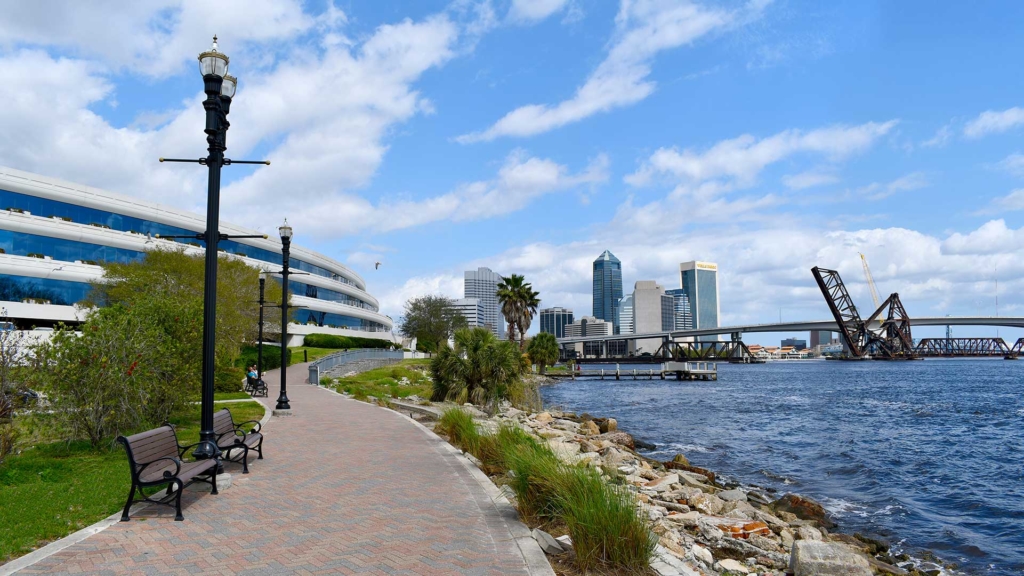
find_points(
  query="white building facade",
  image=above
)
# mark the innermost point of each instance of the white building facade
(482, 284)
(55, 234)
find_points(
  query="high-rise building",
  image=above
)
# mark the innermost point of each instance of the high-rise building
(588, 326)
(797, 343)
(652, 308)
(472, 309)
(821, 338)
(682, 317)
(482, 284)
(607, 287)
(553, 321)
(699, 281)
(624, 314)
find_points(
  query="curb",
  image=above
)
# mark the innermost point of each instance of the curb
(536, 561)
(76, 537)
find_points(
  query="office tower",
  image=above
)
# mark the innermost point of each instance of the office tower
(553, 321)
(588, 326)
(607, 287)
(482, 284)
(624, 314)
(796, 343)
(472, 309)
(652, 308)
(699, 281)
(821, 338)
(681, 316)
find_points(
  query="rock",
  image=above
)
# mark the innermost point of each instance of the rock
(694, 481)
(620, 438)
(588, 428)
(609, 425)
(876, 546)
(567, 425)
(547, 543)
(685, 518)
(544, 417)
(803, 508)
(564, 450)
(730, 565)
(565, 541)
(706, 503)
(849, 541)
(734, 495)
(709, 532)
(808, 533)
(672, 506)
(787, 538)
(641, 445)
(680, 459)
(662, 484)
(703, 554)
(810, 558)
(764, 543)
(615, 457)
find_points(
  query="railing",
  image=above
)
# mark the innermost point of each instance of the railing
(338, 358)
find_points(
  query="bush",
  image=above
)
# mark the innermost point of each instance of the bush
(228, 379)
(458, 426)
(271, 357)
(345, 342)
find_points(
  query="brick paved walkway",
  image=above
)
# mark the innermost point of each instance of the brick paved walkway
(344, 488)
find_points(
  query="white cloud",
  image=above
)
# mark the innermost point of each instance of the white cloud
(1011, 202)
(528, 11)
(519, 181)
(941, 138)
(809, 179)
(993, 237)
(1014, 164)
(878, 191)
(643, 29)
(392, 301)
(151, 37)
(994, 122)
(740, 160)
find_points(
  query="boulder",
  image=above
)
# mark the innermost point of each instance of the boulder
(564, 450)
(787, 538)
(567, 425)
(620, 438)
(662, 484)
(641, 445)
(730, 565)
(588, 428)
(808, 533)
(706, 503)
(734, 495)
(544, 417)
(609, 425)
(810, 558)
(703, 554)
(680, 459)
(547, 542)
(685, 518)
(803, 508)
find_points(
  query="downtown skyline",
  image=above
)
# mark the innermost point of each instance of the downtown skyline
(529, 136)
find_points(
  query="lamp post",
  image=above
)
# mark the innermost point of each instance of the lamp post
(259, 343)
(219, 88)
(286, 240)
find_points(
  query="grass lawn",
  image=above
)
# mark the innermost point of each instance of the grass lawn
(386, 382)
(311, 353)
(55, 488)
(230, 396)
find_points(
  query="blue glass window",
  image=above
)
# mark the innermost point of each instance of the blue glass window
(328, 319)
(46, 290)
(303, 289)
(21, 244)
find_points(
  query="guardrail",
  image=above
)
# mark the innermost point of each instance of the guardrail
(338, 358)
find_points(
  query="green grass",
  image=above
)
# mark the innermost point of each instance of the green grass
(386, 382)
(601, 518)
(54, 488)
(230, 396)
(311, 353)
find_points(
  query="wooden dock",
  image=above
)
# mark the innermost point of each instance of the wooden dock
(679, 370)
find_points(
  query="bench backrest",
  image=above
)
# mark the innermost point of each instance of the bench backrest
(151, 445)
(222, 422)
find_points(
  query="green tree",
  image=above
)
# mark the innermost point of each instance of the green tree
(479, 369)
(519, 303)
(432, 320)
(12, 362)
(543, 350)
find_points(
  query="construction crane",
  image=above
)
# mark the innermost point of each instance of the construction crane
(871, 281)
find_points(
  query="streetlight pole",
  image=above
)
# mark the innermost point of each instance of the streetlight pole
(259, 343)
(286, 240)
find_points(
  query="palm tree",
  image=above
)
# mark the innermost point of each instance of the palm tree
(529, 302)
(480, 369)
(543, 350)
(510, 292)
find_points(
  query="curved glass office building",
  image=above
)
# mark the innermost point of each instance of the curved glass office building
(55, 234)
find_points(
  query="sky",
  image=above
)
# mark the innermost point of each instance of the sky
(531, 135)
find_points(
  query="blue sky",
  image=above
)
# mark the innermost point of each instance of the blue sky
(530, 135)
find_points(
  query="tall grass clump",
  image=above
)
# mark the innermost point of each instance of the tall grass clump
(458, 426)
(602, 521)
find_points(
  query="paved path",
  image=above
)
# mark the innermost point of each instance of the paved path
(345, 488)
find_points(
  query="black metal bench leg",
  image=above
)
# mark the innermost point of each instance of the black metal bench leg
(128, 505)
(177, 501)
(245, 459)
(213, 476)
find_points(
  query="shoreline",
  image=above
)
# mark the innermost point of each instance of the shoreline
(883, 557)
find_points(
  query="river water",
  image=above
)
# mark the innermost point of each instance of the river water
(927, 454)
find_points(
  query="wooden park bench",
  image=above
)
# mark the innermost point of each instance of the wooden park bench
(231, 437)
(155, 458)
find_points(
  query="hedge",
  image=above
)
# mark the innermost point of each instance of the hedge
(345, 342)
(271, 357)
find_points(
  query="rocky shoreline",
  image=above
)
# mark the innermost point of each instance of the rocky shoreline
(706, 526)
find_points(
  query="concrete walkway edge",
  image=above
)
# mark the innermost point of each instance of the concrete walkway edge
(536, 561)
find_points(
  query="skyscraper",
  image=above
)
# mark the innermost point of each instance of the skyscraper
(607, 287)
(482, 284)
(700, 284)
(553, 321)
(681, 315)
(821, 338)
(652, 308)
(472, 310)
(624, 314)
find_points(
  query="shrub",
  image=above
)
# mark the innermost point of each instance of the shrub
(345, 342)
(228, 379)
(480, 368)
(271, 357)
(458, 426)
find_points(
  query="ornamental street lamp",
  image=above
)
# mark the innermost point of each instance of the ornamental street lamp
(219, 87)
(259, 345)
(286, 240)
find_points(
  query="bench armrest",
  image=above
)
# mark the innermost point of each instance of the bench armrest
(167, 473)
(256, 428)
(183, 449)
